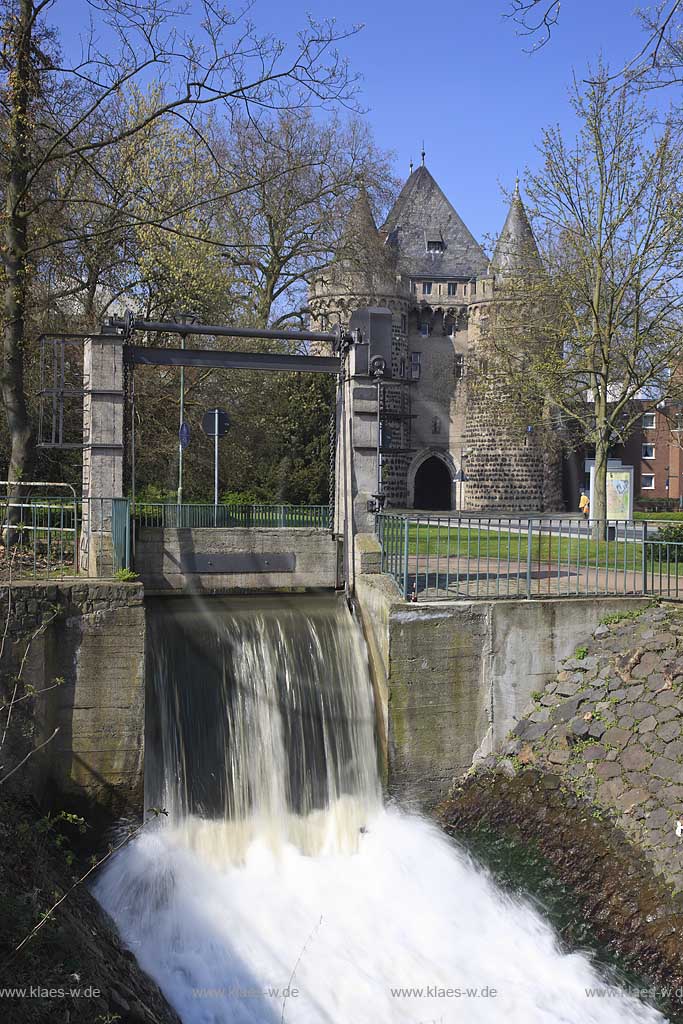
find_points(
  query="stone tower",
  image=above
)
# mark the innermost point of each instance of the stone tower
(444, 446)
(512, 464)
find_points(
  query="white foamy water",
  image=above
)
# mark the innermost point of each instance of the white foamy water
(302, 881)
(407, 910)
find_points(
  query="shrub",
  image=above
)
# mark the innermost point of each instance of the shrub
(126, 576)
(668, 544)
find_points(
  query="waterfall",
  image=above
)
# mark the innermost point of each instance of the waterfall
(279, 889)
(260, 717)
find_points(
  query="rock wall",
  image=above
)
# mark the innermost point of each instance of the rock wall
(610, 723)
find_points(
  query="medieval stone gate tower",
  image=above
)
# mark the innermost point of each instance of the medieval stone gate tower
(444, 445)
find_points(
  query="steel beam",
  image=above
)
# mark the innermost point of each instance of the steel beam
(141, 355)
(130, 324)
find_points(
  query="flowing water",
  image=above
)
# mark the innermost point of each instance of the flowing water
(280, 888)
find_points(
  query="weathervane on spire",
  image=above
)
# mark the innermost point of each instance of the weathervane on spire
(411, 165)
(423, 152)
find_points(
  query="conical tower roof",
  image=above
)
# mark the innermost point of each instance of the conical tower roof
(516, 252)
(361, 244)
(422, 215)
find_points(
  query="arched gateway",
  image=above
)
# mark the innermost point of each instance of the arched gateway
(433, 485)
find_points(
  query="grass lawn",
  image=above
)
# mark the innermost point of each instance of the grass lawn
(672, 516)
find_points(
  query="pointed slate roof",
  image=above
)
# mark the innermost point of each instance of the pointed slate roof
(516, 250)
(421, 214)
(361, 244)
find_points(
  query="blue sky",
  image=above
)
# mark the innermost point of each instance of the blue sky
(454, 73)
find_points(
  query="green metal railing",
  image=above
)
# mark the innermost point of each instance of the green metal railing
(171, 516)
(500, 556)
(663, 568)
(38, 530)
(39, 537)
(120, 533)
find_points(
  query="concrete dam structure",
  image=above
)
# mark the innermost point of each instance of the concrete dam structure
(275, 674)
(450, 678)
(275, 868)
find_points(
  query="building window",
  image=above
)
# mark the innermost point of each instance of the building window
(436, 425)
(649, 420)
(452, 288)
(435, 245)
(404, 322)
(464, 289)
(450, 327)
(424, 328)
(415, 365)
(473, 287)
(459, 365)
(426, 287)
(648, 451)
(402, 367)
(647, 482)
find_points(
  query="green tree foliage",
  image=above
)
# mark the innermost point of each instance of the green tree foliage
(597, 332)
(67, 135)
(170, 175)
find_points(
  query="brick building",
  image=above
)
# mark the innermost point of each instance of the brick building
(654, 449)
(443, 445)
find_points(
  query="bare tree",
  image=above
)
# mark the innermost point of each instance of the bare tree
(597, 332)
(658, 62)
(62, 118)
(290, 225)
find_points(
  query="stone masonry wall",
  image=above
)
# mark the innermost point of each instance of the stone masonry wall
(508, 470)
(610, 723)
(91, 636)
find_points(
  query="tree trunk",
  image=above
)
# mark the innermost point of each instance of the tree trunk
(598, 512)
(15, 255)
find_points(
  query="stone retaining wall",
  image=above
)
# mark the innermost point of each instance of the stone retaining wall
(630, 909)
(611, 725)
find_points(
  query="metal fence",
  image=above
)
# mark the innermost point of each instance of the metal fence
(39, 523)
(45, 535)
(433, 557)
(41, 535)
(167, 515)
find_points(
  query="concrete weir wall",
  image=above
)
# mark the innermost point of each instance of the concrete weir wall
(453, 677)
(236, 560)
(92, 637)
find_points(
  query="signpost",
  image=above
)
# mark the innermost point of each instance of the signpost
(215, 424)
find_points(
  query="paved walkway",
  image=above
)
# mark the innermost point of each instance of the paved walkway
(460, 577)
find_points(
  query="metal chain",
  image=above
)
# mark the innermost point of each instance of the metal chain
(126, 424)
(333, 450)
